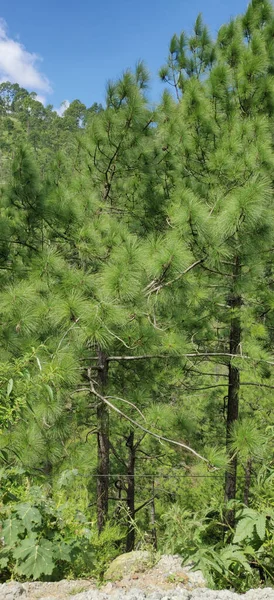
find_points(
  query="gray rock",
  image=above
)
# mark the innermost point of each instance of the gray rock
(258, 594)
(206, 594)
(264, 594)
(12, 591)
(135, 594)
(199, 594)
(129, 563)
(47, 598)
(90, 595)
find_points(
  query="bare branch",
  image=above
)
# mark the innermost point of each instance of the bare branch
(208, 387)
(155, 435)
(91, 432)
(66, 333)
(117, 455)
(208, 355)
(191, 355)
(143, 505)
(118, 338)
(153, 287)
(128, 402)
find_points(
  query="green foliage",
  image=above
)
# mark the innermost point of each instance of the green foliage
(227, 558)
(39, 540)
(136, 271)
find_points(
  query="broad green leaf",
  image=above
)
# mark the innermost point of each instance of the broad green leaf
(29, 514)
(4, 557)
(244, 529)
(211, 563)
(260, 526)
(12, 528)
(233, 554)
(35, 557)
(61, 551)
(249, 550)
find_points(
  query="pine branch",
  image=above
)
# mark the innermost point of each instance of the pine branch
(189, 355)
(208, 387)
(153, 286)
(180, 356)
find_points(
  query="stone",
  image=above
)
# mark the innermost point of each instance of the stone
(12, 591)
(128, 564)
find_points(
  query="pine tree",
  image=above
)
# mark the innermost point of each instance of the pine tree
(222, 200)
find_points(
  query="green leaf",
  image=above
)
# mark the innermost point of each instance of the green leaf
(4, 557)
(9, 387)
(244, 529)
(234, 554)
(35, 557)
(260, 526)
(12, 528)
(50, 391)
(62, 551)
(29, 514)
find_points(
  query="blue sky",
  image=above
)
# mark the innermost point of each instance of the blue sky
(83, 44)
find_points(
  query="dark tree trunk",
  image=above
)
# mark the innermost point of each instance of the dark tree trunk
(130, 541)
(248, 469)
(153, 519)
(102, 446)
(233, 391)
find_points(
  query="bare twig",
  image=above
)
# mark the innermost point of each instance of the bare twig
(66, 333)
(136, 424)
(128, 402)
(154, 287)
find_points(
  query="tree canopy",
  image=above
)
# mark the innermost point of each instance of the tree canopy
(136, 305)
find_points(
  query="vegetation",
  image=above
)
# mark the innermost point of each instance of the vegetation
(136, 307)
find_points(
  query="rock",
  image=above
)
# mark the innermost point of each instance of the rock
(206, 594)
(12, 591)
(195, 578)
(128, 564)
(173, 571)
(107, 588)
(264, 594)
(135, 594)
(47, 598)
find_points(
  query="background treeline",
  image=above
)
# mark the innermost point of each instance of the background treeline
(137, 316)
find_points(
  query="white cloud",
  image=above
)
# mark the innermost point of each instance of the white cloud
(17, 65)
(60, 111)
(41, 99)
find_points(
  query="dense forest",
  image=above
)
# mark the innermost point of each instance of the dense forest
(137, 316)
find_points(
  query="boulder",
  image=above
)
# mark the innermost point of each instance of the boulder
(12, 591)
(127, 564)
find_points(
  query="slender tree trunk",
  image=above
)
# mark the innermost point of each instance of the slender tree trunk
(130, 541)
(153, 519)
(233, 390)
(102, 446)
(248, 469)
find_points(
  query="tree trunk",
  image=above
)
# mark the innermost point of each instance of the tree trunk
(248, 469)
(233, 390)
(131, 492)
(153, 519)
(102, 446)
